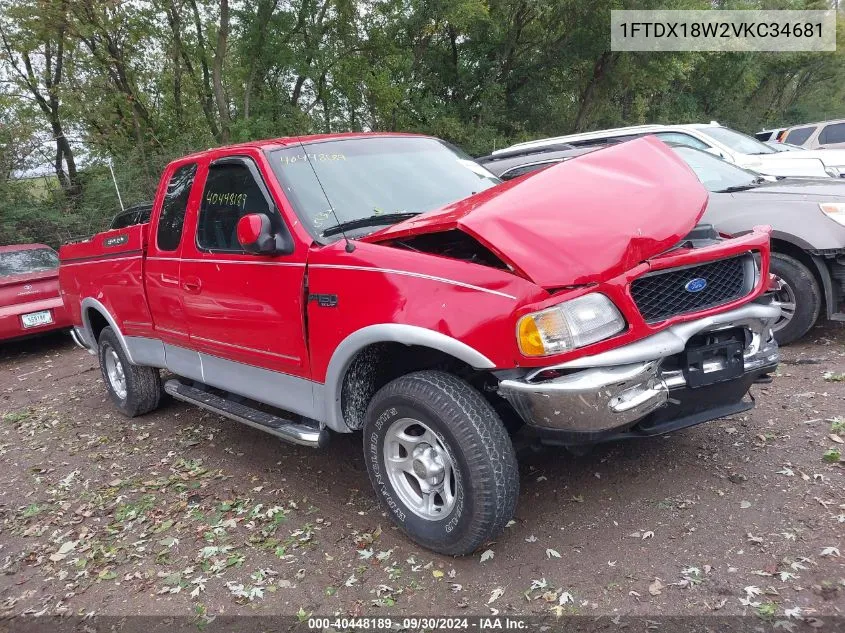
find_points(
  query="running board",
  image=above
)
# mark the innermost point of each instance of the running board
(288, 430)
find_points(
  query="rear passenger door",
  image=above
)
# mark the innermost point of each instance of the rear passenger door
(832, 136)
(163, 261)
(241, 307)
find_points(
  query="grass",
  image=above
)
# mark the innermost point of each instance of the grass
(16, 416)
(832, 456)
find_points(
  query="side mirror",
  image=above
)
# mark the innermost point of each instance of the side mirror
(256, 236)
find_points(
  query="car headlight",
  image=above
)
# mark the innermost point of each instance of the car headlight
(834, 210)
(569, 325)
(833, 172)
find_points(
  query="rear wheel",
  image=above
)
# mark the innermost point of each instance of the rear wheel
(799, 297)
(134, 389)
(441, 461)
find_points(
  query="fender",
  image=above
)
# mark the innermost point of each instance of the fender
(830, 298)
(385, 333)
(139, 350)
(820, 266)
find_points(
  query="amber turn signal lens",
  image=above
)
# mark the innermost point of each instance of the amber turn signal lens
(530, 341)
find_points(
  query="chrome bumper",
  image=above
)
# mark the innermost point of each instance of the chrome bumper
(617, 388)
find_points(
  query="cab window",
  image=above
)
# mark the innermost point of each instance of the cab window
(173, 208)
(799, 135)
(833, 133)
(681, 139)
(515, 172)
(230, 193)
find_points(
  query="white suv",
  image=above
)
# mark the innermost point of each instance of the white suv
(824, 135)
(733, 146)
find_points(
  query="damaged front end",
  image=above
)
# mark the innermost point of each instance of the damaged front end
(689, 373)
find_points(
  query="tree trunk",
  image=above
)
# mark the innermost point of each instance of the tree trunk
(263, 15)
(219, 54)
(603, 63)
(176, 27)
(205, 87)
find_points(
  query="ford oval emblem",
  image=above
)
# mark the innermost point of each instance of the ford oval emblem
(695, 285)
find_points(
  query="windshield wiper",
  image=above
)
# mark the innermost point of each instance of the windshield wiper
(373, 220)
(749, 185)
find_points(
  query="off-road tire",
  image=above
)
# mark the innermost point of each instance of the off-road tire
(808, 297)
(485, 469)
(143, 384)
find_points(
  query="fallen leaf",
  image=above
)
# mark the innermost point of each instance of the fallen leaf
(656, 587)
(744, 504)
(66, 548)
(550, 553)
(794, 612)
(487, 555)
(497, 593)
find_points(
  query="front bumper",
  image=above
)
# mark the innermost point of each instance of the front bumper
(11, 324)
(638, 389)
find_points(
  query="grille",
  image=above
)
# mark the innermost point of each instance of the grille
(665, 294)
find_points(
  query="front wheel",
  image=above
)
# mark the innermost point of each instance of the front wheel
(134, 389)
(441, 461)
(799, 297)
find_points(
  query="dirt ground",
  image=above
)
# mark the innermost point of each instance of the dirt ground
(182, 512)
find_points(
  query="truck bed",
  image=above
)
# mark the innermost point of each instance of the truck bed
(109, 266)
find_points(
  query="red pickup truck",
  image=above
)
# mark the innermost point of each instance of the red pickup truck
(387, 283)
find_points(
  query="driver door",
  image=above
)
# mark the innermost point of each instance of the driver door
(241, 307)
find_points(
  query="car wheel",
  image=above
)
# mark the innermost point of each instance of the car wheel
(799, 297)
(441, 461)
(134, 389)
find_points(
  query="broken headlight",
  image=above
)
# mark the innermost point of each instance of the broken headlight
(569, 325)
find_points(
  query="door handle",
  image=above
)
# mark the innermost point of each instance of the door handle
(192, 285)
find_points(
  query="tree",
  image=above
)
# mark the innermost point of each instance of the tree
(35, 47)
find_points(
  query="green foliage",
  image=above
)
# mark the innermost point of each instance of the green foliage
(143, 83)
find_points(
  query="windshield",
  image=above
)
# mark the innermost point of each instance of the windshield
(737, 141)
(372, 177)
(32, 260)
(714, 173)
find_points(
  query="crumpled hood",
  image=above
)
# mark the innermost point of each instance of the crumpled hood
(583, 221)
